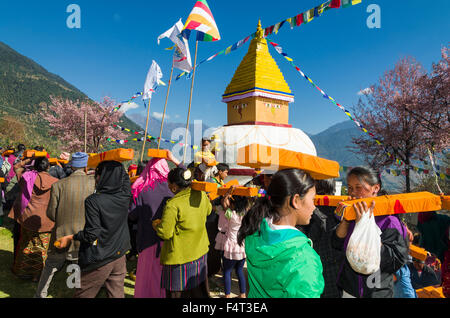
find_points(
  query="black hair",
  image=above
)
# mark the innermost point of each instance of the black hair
(41, 164)
(39, 148)
(99, 169)
(367, 175)
(141, 167)
(198, 174)
(325, 187)
(222, 167)
(285, 183)
(21, 147)
(191, 165)
(241, 204)
(206, 139)
(176, 176)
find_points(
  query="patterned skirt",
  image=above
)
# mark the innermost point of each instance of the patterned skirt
(184, 276)
(31, 253)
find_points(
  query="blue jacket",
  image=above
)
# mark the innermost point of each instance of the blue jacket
(403, 286)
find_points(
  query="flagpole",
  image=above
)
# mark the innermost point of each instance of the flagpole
(165, 105)
(190, 101)
(146, 127)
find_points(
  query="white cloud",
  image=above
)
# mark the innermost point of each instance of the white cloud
(127, 106)
(365, 91)
(160, 115)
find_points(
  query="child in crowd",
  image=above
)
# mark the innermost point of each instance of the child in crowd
(233, 210)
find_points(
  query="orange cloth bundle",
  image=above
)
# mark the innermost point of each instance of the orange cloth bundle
(213, 194)
(393, 204)
(54, 161)
(329, 200)
(119, 155)
(241, 191)
(8, 153)
(34, 153)
(155, 153)
(204, 186)
(2, 180)
(260, 156)
(430, 292)
(417, 252)
(445, 202)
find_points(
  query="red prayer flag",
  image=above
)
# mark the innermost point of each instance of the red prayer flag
(335, 4)
(299, 19)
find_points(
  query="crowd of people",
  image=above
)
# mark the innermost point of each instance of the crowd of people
(100, 218)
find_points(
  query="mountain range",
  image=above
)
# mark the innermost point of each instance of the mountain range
(24, 87)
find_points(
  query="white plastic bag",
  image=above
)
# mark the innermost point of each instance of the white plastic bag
(364, 246)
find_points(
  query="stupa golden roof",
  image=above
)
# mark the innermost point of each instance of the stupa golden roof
(258, 74)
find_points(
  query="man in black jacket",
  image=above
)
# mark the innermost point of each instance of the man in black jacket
(320, 230)
(105, 238)
(422, 275)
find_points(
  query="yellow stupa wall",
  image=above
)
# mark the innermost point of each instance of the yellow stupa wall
(252, 110)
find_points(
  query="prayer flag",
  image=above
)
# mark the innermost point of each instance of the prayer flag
(299, 19)
(202, 20)
(153, 78)
(308, 16)
(182, 55)
(346, 3)
(335, 4)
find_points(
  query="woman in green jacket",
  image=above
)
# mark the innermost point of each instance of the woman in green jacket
(186, 244)
(281, 262)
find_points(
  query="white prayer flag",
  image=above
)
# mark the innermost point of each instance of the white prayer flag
(153, 78)
(182, 55)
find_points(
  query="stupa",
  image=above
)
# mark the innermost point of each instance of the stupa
(257, 101)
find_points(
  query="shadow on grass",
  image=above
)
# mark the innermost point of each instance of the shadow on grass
(13, 287)
(10, 285)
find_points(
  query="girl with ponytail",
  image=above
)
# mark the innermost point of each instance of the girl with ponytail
(281, 262)
(185, 248)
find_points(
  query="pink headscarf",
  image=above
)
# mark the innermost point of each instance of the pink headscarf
(156, 170)
(29, 178)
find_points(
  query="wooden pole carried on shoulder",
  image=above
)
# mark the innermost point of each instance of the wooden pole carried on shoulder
(190, 102)
(165, 106)
(146, 128)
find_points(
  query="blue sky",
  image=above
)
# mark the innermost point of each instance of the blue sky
(112, 52)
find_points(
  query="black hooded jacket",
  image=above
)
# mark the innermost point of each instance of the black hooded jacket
(105, 236)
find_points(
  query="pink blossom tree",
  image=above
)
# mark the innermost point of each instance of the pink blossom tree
(66, 119)
(407, 111)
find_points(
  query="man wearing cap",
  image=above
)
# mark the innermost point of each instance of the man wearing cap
(422, 275)
(66, 209)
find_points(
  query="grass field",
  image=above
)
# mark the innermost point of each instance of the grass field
(14, 287)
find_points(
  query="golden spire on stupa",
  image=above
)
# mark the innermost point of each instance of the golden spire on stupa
(258, 74)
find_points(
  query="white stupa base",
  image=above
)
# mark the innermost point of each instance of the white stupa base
(231, 138)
